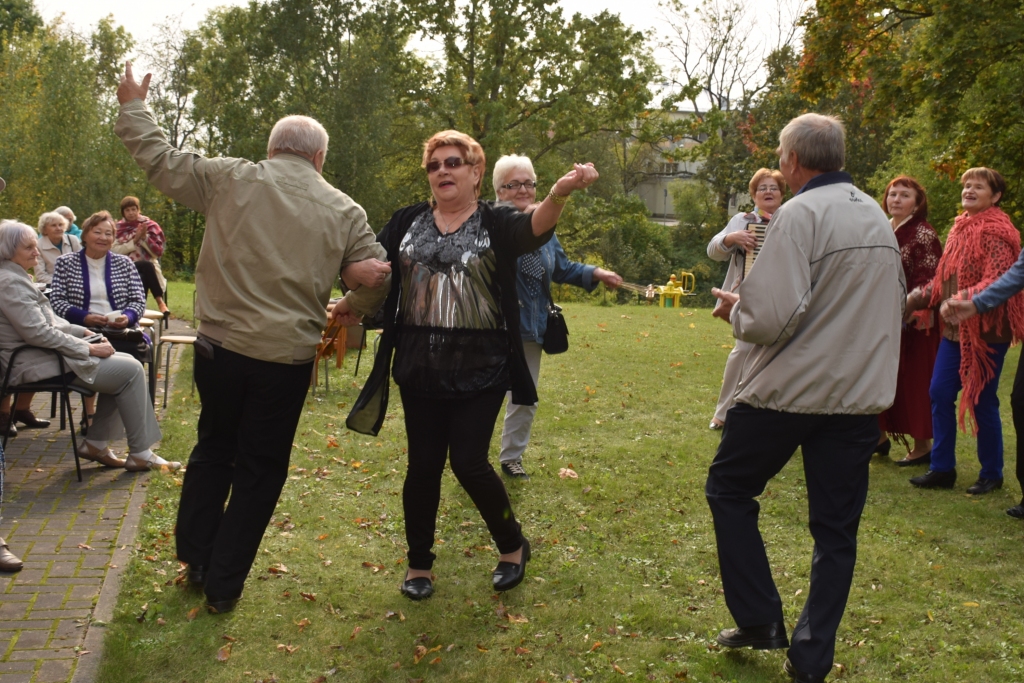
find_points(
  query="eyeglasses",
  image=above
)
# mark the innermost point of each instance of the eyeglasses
(768, 188)
(515, 185)
(450, 162)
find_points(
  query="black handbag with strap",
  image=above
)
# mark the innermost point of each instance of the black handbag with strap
(556, 336)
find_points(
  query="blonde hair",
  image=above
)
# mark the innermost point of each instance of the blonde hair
(52, 217)
(472, 152)
(763, 173)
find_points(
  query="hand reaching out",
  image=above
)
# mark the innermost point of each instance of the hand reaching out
(580, 177)
(128, 89)
(956, 311)
(729, 299)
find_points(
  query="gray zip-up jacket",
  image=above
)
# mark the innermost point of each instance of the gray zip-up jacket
(823, 305)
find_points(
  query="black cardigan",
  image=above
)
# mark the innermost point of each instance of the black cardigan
(511, 234)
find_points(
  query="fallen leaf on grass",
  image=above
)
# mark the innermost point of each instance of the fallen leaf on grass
(481, 648)
(355, 632)
(518, 619)
(319, 679)
(435, 660)
(566, 473)
(971, 604)
(229, 638)
(375, 567)
(302, 624)
(419, 653)
(522, 651)
(322, 537)
(616, 667)
(682, 675)
(278, 569)
(224, 653)
(192, 614)
(160, 621)
(596, 645)
(309, 597)
(281, 647)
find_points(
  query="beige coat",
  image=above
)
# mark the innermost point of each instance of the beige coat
(823, 305)
(50, 252)
(276, 236)
(26, 318)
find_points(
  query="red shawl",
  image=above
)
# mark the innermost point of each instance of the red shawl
(151, 248)
(978, 250)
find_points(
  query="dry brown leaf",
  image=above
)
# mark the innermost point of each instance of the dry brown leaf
(309, 597)
(566, 473)
(84, 546)
(596, 645)
(419, 653)
(522, 651)
(355, 632)
(322, 537)
(192, 614)
(224, 653)
(618, 669)
(229, 638)
(375, 567)
(278, 569)
(682, 675)
(435, 660)
(281, 647)
(319, 679)
(481, 648)
(160, 621)
(302, 624)
(518, 619)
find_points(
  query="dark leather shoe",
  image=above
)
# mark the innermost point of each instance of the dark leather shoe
(7, 426)
(220, 605)
(196, 575)
(508, 575)
(925, 459)
(935, 480)
(883, 448)
(419, 588)
(28, 419)
(9, 562)
(767, 637)
(1017, 511)
(985, 486)
(800, 676)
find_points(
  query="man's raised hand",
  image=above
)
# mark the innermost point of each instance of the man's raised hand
(128, 89)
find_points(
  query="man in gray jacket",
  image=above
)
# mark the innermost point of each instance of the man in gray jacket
(276, 236)
(823, 305)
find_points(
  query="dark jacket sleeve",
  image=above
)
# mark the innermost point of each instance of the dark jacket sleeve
(515, 230)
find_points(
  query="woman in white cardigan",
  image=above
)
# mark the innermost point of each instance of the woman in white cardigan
(766, 189)
(119, 379)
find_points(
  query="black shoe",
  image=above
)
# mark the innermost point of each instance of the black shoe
(883, 448)
(925, 459)
(220, 605)
(515, 470)
(800, 676)
(1017, 511)
(7, 426)
(196, 575)
(767, 637)
(30, 421)
(984, 485)
(935, 480)
(508, 575)
(419, 588)
(86, 421)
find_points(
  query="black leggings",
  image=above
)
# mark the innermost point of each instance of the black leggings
(459, 429)
(1017, 405)
(150, 280)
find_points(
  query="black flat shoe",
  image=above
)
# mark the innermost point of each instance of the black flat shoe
(925, 459)
(220, 605)
(508, 575)
(935, 480)
(800, 676)
(767, 637)
(196, 575)
(883, 448)
(7, 426)
(27, 418)
(1017, 511)
(419, 588)
(983, 486)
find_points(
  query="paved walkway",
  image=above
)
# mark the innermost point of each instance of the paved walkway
(75, 540)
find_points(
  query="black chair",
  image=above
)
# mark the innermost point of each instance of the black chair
(61, 384)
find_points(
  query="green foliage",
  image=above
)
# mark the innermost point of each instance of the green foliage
(18, 16)
(700, 218)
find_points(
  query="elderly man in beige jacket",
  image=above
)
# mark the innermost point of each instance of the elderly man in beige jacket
(276, 236)
(822, 305)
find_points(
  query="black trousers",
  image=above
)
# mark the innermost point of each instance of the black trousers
(251, 409)
(1017, 405)
(459, 430)
(150, 280)
(756, 444)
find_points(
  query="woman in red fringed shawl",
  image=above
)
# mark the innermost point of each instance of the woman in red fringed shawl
(981, 246)
(141, 239)
(911, 412)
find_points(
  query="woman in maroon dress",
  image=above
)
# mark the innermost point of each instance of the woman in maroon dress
(911, 413)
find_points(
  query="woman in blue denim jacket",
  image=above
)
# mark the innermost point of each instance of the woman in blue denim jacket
(516, 182)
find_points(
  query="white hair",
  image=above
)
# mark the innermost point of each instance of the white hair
(819, 142)
(12, 235)
(66, 212)
(299, 134)
(507, 164)
(52, 217)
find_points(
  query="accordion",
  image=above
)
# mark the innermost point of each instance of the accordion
(758, 230)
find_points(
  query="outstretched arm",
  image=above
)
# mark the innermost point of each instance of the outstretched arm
(546, 215)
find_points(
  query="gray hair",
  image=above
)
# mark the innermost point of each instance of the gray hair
(819, 142)
(52, 217)
(12, 235)
(66, 212)
(299, 134)
(507, 164)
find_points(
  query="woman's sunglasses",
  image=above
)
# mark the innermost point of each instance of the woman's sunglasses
(451, 162)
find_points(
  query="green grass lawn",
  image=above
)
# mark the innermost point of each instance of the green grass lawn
(624, 580)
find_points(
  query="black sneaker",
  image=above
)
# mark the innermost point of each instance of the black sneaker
(515, 470)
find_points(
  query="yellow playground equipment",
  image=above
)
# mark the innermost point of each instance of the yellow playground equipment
(670, 294)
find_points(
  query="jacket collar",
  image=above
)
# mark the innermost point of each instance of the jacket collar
(293, 158)
(823, 179)
(45, 243)
(13, 267)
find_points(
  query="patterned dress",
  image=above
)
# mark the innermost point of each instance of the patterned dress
(911, 413)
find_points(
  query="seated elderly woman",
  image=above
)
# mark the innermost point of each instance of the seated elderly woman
(54, 241)
(141, 239)
(27, 318)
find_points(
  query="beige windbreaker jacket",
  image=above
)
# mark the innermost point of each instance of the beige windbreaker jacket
(823, 305)
(276, 236)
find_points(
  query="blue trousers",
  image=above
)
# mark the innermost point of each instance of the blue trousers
(943, 391)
